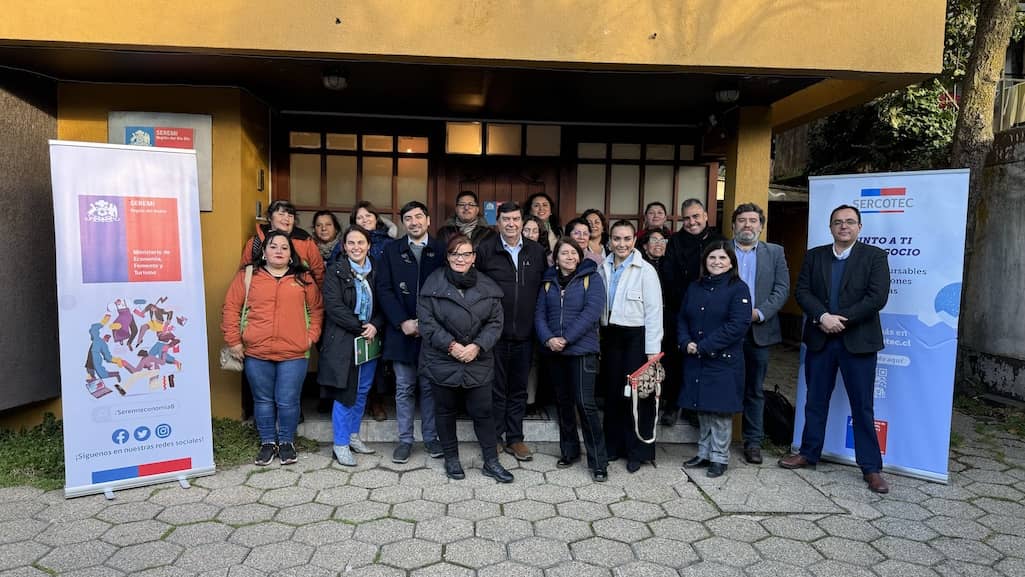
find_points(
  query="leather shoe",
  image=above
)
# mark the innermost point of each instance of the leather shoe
(695, 461)
(633, 466)
(796, 461)
(496, 471)
(454, 469)
(566, 462)
(600, 475)
(753, 455)
(876, 483)
(715, 470)
(520, 451)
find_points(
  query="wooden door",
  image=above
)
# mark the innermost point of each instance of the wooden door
(494, 179)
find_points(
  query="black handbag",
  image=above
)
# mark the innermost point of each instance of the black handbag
(778, 417)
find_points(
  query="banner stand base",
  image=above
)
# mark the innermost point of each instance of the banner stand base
(107, 489)
(943, 479)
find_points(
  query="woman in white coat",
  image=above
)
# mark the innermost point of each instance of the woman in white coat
(631, 336)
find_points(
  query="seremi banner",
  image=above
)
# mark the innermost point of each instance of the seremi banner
(918, 218)
(134, 370)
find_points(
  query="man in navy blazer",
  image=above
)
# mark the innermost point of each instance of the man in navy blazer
(842, 288)
(403, 267)
(763, 267)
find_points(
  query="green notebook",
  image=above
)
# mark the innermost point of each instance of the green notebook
(367, 349)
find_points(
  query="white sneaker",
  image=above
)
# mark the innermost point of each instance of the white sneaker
(358, 446)
(344, 456)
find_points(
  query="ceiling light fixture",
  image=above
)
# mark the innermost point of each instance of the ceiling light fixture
(335, 78)
(727, 95)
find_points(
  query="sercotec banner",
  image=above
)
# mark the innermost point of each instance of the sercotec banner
(918, 218)
(135, 385)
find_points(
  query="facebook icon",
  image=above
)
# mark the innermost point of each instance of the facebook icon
(120, 436)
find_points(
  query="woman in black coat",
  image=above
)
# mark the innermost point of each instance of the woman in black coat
(714, 317)
(461, 316)
(349, 312)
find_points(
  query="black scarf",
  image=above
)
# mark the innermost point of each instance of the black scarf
(565, 278)
(461, 281)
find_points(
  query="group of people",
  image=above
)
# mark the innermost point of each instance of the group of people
(463, 313)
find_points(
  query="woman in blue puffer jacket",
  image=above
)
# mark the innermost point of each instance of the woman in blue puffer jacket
(569, 307)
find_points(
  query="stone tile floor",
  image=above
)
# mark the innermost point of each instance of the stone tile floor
(380, 519)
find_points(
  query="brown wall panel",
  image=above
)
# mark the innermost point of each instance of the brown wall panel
(28, 335)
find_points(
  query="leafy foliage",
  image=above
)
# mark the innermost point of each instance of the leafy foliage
(907, 129)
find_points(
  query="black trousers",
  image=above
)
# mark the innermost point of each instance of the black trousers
(622, 354)
(574, 378)
(512, 367)
(477, 402)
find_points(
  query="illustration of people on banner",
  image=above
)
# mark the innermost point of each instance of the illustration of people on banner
(132, 348)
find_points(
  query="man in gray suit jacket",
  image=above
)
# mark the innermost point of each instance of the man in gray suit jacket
(763, 267)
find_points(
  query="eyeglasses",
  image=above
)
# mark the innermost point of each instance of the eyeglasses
(657, 241)
(466, 205)
(849, 222)
(460, 255)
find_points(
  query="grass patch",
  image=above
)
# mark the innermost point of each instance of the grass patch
(236, 443)
(35, 456)
(991, 416)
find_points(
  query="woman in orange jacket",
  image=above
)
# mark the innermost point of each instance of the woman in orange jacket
(272, 331)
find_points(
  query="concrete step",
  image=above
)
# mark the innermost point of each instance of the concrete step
(541, 426)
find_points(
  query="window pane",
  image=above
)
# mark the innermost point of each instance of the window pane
(341, 141)
(377, 143)
(625, 189)
(304, 139)
(626, 151)
(590, 187)
(693, 183)
(544, 140)
(377, 181)
(341, 180)
(660, 152)
(505, 139)
(591, 150)
(462, 138)
(658, 185)
(304, 179)
(686, 152)
(412, 183)
(413, 144)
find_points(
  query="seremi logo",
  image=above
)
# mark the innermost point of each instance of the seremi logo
(884, 200)
(102, 211)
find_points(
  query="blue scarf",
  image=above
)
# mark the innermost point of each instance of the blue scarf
(364, 298)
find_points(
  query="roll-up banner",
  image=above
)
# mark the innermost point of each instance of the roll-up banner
(918, 218)
(135, 386)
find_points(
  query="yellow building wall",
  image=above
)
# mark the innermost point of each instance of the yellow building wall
(835, 36)
(240, 149)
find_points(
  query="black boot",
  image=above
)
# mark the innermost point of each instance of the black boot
(492, 468)
(454, 469)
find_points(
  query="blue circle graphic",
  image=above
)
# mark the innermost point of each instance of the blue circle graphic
(141, 433)
(162, 431)
(119, 436)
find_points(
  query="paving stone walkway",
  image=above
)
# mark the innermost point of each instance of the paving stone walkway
(381, 519)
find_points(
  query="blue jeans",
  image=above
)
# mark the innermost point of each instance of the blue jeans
(406, 384)
(345, 421)
(756, 364)
(859, 373)
(276, 386)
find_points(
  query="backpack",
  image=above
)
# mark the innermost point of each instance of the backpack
(587, 282)
(778, 418)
